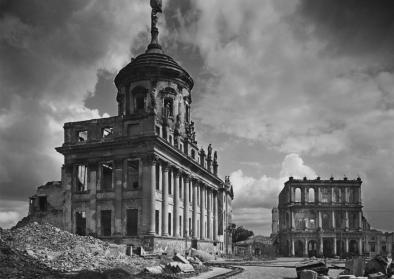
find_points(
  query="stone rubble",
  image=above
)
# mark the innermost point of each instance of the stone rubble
(62, 251)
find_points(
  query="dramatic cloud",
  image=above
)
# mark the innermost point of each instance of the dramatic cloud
(273, 77)
(255, 198)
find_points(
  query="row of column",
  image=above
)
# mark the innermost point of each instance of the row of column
(208, 228)
(304, 197)
(333, 223)
(321, 246)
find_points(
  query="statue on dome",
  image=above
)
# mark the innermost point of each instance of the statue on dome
(215, 156)
(156, 6)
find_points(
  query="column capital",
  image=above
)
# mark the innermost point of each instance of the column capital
(165, 166)
(150, 159)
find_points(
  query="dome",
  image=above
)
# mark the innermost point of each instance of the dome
(153, 64)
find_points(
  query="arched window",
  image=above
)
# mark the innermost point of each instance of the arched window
(139, 95)
(297, 195)
(311, 195)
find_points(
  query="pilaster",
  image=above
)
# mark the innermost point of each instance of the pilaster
(176, 203)
(164, 207)
(194, 216)
(202, 211)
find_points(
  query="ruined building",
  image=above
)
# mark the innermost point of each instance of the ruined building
(139, 177)
(320, 217)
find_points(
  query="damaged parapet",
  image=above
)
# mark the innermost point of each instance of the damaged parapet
(46, 205)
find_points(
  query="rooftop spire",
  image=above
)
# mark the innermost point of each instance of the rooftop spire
(156, 8)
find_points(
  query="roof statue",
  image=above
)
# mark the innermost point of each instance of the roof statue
(156, 8)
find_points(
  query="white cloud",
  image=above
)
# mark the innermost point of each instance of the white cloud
(8, 219)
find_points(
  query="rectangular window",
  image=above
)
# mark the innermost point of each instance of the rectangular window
(372, 245)
(181, 146)
(82, 183)
(325, 195)
(169, 223)
(82, 136)
(42, 203)
(107, 132)
(170, 139)
(132, 221)
(80, 223)
(158, 131)
(169, 182)
(107, 176)
(157, 221)
(157, 176)
(132, 174)
(106, 222)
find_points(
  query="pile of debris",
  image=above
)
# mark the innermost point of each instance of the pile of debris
(65, 252)
(179, 265)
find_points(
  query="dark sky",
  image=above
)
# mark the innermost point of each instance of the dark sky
(283, 87)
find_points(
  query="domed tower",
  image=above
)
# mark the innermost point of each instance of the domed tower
(154, 86)
(139, 177)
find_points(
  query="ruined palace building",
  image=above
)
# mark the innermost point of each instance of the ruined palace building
(139, 178)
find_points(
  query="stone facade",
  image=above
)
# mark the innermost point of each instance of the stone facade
(139, 177)
(320, 217)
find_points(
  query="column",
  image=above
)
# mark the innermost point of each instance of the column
(346, 194)
(194, 216)
(215, 215)
(332, 195)
(92, 197)
(151, 196)
(360, 246)
(333, 218)
(292, 248)
(335, 246)
(209, 214)
(360, 219)
(118, 197)
(164, 204)
(320, 220)
(321, 246)
(346, 245)
(317, 195)
(346, 220)
(186, 206)
(176, 203)
(305, 247)
(292, 220)
(202, 211)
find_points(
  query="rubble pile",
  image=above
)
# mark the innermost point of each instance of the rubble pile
(63, 251)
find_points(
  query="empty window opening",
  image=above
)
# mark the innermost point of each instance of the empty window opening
(168, 107)
(297, 195)
(106, 222)
(181, 146)
(157, 221)
(82, 183)
(326, 221)
(132, 174)
(325, 195)
(337, 195)
(107, 176)
(42, 203)
(193, 153)
(170, 139)
(139, 94)
(311, 195)
(132, 222)
(107, 132)
(80, 223)
(82, 136)
(169, 182)
(158, 131)
(157, 176)
(169, 224)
